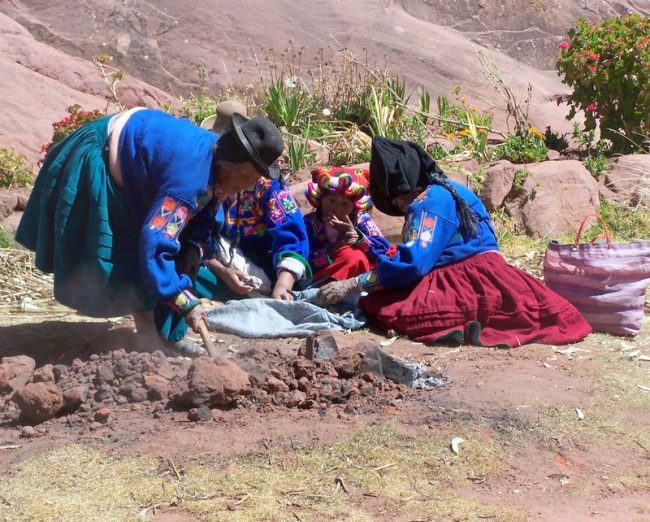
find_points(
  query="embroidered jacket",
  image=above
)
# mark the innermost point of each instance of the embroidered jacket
(269, 221)
(371, 240)
(431, 238)
(166, 169)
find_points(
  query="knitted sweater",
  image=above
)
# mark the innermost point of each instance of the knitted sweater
(432, 238)
(166, 166)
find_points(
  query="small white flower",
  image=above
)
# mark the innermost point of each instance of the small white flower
(291, 81)
(327, 112)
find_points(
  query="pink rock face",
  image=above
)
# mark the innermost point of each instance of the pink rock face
(38, 402)
(216, 383)
(554, 198)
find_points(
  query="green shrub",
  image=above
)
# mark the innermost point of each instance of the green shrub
(520, 149)
(66, 126)
(15, 171)
(6, 241)
(608, 67)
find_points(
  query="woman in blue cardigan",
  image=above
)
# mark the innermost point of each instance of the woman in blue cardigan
(112, 199)
(447, 280)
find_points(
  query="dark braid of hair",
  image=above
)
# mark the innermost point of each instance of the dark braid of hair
(465, 214)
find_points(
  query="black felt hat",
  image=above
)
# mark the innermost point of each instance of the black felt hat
(398, 167)
(262, 141)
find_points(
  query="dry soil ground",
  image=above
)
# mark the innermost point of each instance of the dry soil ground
(548, 434)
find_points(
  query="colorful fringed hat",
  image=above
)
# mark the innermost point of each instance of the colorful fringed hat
(347, 181)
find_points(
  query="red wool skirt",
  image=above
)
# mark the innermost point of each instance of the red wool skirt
(482, 301)
(346, 262)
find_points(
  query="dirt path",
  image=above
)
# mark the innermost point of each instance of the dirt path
(548, 434)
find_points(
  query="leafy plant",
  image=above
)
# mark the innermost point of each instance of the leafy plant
(554, 141)
(608, 67)
(15, 171)
(298, 150)
(522, 149)
(594, 151)
(66, 126)
(521, 175)
(112, 77)
(197, 107)
(6, 241)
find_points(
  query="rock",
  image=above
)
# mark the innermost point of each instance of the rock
(157, 386)
(102, 415)
(105, 373)
(43, 374)
(215, 383)
(38, 402)
(15, 372)
(553, 155)
(104, 393)
(319, 345)
(627, 180)
(295, 399)
(321, 153)
(202, 414)
(59, 371)
(346, 362)
(554, 199)
(74, 397)
(138, 394)
(274, 385)
(29, 432)
(497, 184)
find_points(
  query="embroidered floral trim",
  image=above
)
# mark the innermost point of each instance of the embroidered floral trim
(368, 281)
(171, 219)
(184, 302)
(280, 206)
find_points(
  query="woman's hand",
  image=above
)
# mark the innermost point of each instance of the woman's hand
(233, 278)
(335, 292)
(348, 235)
(194, 316)
(283, 286)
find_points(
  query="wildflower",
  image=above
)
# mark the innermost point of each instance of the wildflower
(464, 132)
(564, 44)
(594, 57)
(450, 135)
(291, 81)
(592, 69)
(327, 112)
(592, 107)
(463, 100)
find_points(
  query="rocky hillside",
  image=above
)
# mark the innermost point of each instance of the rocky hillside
(46, 48)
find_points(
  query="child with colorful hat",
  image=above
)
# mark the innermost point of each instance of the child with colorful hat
(344, 240)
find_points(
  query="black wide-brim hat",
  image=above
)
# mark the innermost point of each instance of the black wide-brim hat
(262, 141)
(398, 167)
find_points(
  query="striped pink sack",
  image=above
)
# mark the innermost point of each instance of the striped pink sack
(605, 281)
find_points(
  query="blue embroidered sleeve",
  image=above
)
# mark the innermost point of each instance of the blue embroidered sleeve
(285, 226)
(159, 244)
(374, 242)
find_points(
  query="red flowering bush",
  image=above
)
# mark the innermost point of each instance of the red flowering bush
(69, 124)
(608, 67)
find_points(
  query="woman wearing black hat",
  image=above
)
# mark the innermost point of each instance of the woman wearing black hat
(447, 280)
(111, 200)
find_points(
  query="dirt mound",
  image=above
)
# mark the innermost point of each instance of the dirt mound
(358, 377)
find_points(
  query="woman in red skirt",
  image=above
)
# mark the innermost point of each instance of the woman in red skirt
(447, 280)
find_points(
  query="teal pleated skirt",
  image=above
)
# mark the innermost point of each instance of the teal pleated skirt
(78, 224)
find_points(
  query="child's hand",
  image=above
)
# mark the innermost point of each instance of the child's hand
(347, 233)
